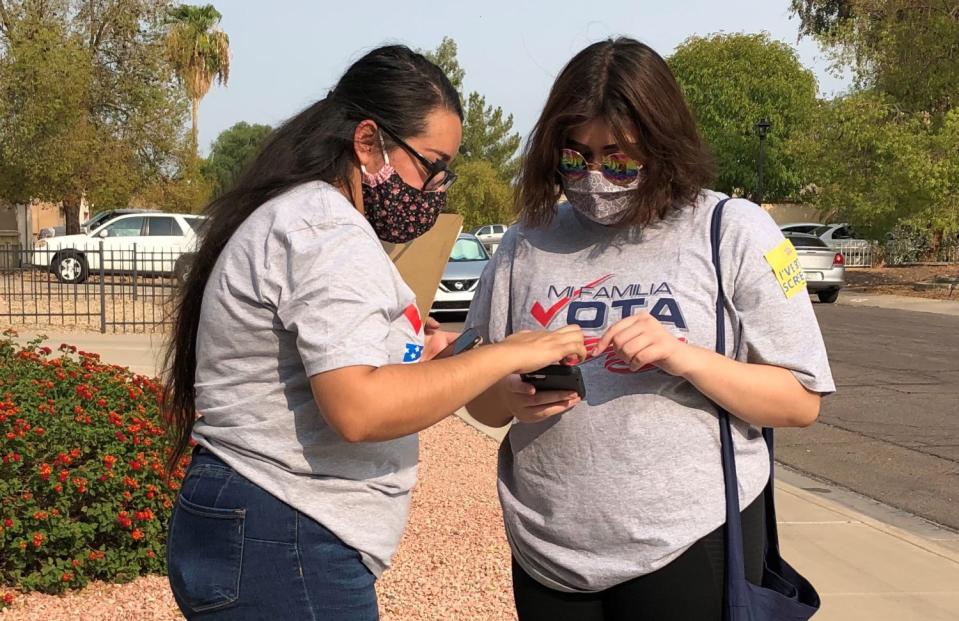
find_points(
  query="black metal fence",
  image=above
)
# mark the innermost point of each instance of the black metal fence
(125, 289)
(101, 288)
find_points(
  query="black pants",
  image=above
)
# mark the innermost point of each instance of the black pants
(688, 589)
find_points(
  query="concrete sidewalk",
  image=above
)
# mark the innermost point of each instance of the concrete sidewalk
(869, 562)
(900, 302)
(864, 568)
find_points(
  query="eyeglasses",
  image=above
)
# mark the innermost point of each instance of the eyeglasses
(617, 167)
(439, 177)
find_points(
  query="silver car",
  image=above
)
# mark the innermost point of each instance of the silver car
(491, 234)
(836, 235)
(799, 227)
(823, 266)
(461, 276)
(841, 237)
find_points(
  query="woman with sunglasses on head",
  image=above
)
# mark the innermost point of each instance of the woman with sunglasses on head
(614, 504)
(293, 339)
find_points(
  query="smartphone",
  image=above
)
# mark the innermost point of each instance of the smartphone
(464, 342)
(557, 377)
(467, 341)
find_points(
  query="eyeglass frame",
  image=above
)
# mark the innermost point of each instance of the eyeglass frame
(433, 169)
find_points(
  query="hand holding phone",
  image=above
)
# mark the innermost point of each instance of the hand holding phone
(464, 342)
(529, 404)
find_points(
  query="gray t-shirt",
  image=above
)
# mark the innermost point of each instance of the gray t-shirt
(626, 481)
(304, 287)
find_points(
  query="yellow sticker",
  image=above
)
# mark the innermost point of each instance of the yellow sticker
(785, 263)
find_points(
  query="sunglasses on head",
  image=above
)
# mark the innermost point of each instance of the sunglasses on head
(616, 167)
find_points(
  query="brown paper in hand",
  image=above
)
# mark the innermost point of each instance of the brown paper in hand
(421, 262)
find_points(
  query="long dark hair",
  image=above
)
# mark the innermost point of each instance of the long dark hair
(391, 85)
(630, 86)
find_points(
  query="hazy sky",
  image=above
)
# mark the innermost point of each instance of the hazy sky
(287, 54)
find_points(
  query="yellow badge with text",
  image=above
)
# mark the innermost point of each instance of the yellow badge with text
(785, 263)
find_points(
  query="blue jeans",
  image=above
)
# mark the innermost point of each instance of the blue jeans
(236, 552)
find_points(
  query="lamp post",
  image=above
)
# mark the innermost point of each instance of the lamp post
(762, 128)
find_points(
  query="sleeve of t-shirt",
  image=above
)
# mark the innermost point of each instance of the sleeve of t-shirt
(775, 315)
(337, 297)
(490, 309)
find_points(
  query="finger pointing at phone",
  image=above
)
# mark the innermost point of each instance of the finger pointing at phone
(642, 340)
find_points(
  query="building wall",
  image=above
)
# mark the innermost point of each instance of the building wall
(9, 236)
(21, 224)
(44, 215)
(8, 218)
(786, 213)
(50, 215)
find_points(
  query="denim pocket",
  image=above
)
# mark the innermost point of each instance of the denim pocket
(205, 552)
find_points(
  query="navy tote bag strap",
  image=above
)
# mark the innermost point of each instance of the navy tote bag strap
(773, 558)
(735, 562)
(784, 594)
(729, 462)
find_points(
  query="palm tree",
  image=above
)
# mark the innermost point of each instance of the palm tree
(199, 52)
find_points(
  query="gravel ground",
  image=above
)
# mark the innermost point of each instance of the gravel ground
(453, 563)
(146, 598)
(901, 280)
(46, 304)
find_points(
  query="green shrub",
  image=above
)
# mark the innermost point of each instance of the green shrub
(913, 242)
(84, 493)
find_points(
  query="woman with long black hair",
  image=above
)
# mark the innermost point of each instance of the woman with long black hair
(293, 340)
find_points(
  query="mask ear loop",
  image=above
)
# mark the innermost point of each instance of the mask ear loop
(386, 156)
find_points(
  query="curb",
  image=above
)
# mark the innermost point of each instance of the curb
(900, 303)
(887, 529)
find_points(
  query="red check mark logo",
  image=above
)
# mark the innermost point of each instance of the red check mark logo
(544, 316)
(412, 315)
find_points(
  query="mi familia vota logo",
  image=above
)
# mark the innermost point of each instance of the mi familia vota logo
(601, 303)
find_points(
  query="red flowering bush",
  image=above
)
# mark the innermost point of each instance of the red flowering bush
(84, 493)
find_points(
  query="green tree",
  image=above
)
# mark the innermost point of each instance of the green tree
(904, 55)
(480, 195)
(232, 151)
(905, 49)
(89, 106)
(487, 131)
(488, 138)
(445, 57)
(872, 163)
(199, 52)
(941, 213)
(186, 191)
(945, 147)
(732, 81)
(821, 17)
